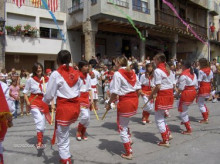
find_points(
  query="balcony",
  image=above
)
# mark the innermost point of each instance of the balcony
(213, 7)
(75, 8)
(119, 3)
(170, 20)
(18, 44)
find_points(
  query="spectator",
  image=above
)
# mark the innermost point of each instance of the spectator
(148, 60)
(3, 75)
(23, 79)
(212, 30)
(14, 75)
(214, 70)
(14, 95)
(48, 72)
(93, 61)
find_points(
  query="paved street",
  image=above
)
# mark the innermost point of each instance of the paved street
(104, 145)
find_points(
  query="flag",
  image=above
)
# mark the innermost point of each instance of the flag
(36, 3)
(53, 5)
(19, 3)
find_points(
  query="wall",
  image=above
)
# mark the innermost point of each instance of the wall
(74, 46)
(193, 48)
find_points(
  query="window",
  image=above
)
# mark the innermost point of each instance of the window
(49, 33)
(141, 6)
(44, 32)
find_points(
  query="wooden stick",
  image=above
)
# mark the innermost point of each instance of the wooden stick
(52, 115)
(97, 117)
(104, 114)
(44, 88)
(145, 104)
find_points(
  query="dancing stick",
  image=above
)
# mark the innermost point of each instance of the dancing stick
(104, 114)
(97, 117)
(145, 104)
(44, 88)
(52, 114)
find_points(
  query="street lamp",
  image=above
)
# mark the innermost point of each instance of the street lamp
(2, 25)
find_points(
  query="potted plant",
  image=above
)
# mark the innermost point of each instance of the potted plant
(18, 29)
(33, 31)
(9, 29)
(27, 28)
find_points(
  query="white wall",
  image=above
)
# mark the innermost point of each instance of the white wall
(17, 44)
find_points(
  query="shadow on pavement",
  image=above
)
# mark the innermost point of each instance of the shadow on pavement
(113, 147)
(146, 136)
(136, 119)
(193, 119)
(110, 125)
(175, 128)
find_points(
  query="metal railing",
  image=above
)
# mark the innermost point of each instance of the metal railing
(168, 19)
(119, 3)
(76, 7)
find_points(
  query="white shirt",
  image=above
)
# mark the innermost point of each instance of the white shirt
(187, 81)
(97, 74)
(161, 78)
(57, 86)
(145, 81)
(120, 86)
(173, 78)
(94, 81)
(203, 77)
(87, 86)
(32, 86)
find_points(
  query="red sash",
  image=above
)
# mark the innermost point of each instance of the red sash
(204, 89)
(164, 100)
(84, 99)
(187, 73)
(188, 95)
(36, 102)
(162, 66)
(128, 104)
(67, 113)
(146, 90)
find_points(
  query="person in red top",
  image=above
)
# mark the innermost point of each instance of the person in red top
(187, 85)
(85, 103)
(36, 85)
(65, 84)
(5, 115)
(164, 99)
(147, 84)
(125, 84)
(212, 30)
(205, 79)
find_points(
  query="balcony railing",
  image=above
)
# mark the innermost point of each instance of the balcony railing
(30, 3)
(172, 21)
(119, 3)
(76, 8)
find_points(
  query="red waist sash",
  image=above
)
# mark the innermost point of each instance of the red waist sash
(164, 100)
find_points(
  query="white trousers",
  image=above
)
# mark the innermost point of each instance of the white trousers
(39, 119)
(1, 148)
(160, 120)
(201, 103)
(85, 116)
(184, 114)
(150, 105)
(63, 141)
(123, 126)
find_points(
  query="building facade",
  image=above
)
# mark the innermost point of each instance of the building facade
(40, 42)
(100, 27)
